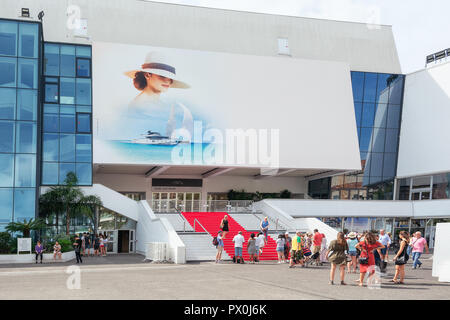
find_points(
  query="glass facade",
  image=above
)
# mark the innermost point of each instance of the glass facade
(378, 104)
(67, 114)
(424, 187)
(20, 44)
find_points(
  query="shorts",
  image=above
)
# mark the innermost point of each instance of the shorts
(352, 253)
(219, 248)
(316, 249)
(238, 251)
(280, 249)
(296, 255)
(383, 251)
(96, 246)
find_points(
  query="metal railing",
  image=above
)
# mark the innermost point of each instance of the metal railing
(196, 221)
(175, 205)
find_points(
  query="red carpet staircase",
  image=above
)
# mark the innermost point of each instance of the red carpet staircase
(211, 222)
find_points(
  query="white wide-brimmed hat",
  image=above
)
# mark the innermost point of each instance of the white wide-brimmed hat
(352, 235)
(158, 63)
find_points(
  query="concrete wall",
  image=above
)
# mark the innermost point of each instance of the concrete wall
(425, 134)
(178, 26)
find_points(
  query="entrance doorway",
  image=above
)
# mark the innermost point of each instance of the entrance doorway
(120, 241)
(421, 195)
(173, 201)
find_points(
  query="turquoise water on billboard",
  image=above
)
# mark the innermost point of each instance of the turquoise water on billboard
(176, 154)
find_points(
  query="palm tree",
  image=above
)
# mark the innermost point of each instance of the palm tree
(25, 227)
(70, 199)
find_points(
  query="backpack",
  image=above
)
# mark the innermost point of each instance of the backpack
(215, 241)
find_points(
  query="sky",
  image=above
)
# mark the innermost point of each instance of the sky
(420, 27)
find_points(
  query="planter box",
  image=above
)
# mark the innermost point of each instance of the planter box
(31, 258)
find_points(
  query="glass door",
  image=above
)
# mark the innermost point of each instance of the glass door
(111, 244)
(132, 241)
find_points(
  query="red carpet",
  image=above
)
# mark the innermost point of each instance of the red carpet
(211, 222)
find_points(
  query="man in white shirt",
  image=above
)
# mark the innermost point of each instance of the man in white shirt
(385, 240)
(238, 244)
(260, 242)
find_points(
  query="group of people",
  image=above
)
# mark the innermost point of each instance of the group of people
(371, 251)
(85, 244)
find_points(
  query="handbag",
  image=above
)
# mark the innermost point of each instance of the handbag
(364, 260)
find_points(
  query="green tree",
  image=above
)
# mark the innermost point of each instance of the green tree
(26, 226)
(69, 199)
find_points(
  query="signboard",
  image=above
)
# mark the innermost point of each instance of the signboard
(23, 244)
(169, 106)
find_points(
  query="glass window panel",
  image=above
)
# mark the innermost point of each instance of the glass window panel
(50, 173)
(381, 115)
(24, 204)
(28, 40)
(83, 148)
(7, 103)
(83, 67)
(67, 123)
(51, 93)
(393, 120)
(51, 108)
(7, 136)
(67, 60)
(364, 141)
(374, 180)
(27, 105)
(51, 59)
(6, 204)
(50, 147)
(358, 112)
(396, 91)
(389, 166)
(441, 186)
(85, 109)
(28, 73)
(67, 91)
(376, 164)
(83, 51)
(6, 170)
(51, 122)
(64, 169)
(378, 139)
(383, 88)
(422, 182)
(391, 140)
(8, 38)
(8, 72)
(344, 194)
(84, 91)
(358, 85)
(83, 122)
(84, 173)
(67, 148)
(370, 87)
(25, 173)
(26, 137)
(368, 115)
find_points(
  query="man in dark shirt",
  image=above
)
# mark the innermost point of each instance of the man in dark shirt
(77, 246)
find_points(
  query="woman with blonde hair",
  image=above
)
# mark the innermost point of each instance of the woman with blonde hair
(224, 226)
(401, 258)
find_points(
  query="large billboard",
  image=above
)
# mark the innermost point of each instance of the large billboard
(167, 106)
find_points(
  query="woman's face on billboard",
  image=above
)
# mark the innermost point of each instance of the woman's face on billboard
(158, 83)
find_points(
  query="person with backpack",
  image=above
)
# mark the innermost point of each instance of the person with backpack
(401, 258)
(251, 248)
(218, 242)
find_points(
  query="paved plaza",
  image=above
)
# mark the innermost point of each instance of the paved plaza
(129, 277)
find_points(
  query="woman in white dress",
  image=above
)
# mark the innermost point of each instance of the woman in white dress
(323, 252)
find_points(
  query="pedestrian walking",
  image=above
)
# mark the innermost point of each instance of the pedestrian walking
(385, 240)
(323, 250)
(96, 244)
(39, 249)
(220, 246)
(77, 245)
(417, 249)
(280, 248)
(251, 248)
(317, 245)
(238, 245)
(352, 241)
(296, 250)
(87, 244)
(224, 226)
(264, 226)
(367, 259)
(401, 258)
(337, 256)
(102, 246)
(260, 243)
(287, 246)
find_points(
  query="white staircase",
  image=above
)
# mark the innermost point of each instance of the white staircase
(199, 247)
(177, 221)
